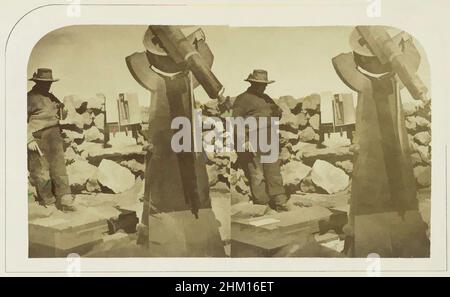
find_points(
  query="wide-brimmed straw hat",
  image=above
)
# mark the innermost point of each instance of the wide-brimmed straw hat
(259, 76)
(43, 74)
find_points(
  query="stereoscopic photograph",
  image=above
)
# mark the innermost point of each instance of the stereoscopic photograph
(217, 141)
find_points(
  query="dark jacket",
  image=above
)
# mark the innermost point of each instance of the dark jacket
(251, 104)
(257, 105)
(43, 111)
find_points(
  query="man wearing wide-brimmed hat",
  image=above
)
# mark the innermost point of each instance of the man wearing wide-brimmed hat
(266, 182)
(46, 162)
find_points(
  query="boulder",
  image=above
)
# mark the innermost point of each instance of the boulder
(416, 159)
(140, 140)
(71, 156)
(284, 155)
(79, 172)
(221, 162)
(248, 210)
(290, 120)
(410, 124)
(88, 119)
(339, 202)
(346, 165)
(238, 183)
(288, 135)
(72, 136)
(73, 121)
(314, 121)
(409, 108)
(73, 101)
(336, 140)
(417, 123)
(424, 110)
(302, 119)
(423, 138)
(412, 143)
(301, 146)
(93, 134)
(83, 108)
(235, 176)
(120, 139)
(213, 174)
(287, 103)
(97, 102)
(307, 185)
(422, 122)
(99, 121)
(233, 157)
(93, 186)
(114, 176)
(329, 177)
(88, 146)
(237, 197)
(221, 187)
(423, 176)
(308, 134)
(211, 108)
(332, 154)
(294, 172)
(242, 187)
(311, 103)
(74, 146)
(424, 153)
(210, 156)
(135, 166)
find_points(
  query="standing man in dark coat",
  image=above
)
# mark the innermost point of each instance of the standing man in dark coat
(46, 162)
(266, 182)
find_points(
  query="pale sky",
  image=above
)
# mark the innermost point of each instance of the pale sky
(90, 59)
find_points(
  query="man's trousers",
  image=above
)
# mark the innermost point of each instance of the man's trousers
(48, 172)
(266, 182)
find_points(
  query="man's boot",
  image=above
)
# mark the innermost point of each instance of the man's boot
(46, 202)
(279, 203)
(65, 203)
(65, 208)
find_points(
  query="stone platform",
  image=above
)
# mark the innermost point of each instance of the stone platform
(264, 236)
(60, 234)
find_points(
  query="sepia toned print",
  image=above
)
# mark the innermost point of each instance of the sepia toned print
(212, 141)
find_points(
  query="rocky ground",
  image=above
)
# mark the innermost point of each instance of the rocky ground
(312, 176)
(104, 179)
(309, 169)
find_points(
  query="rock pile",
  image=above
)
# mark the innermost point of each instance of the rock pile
(300, 119)
(91, 167)
(307, 168)
(418, 125)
